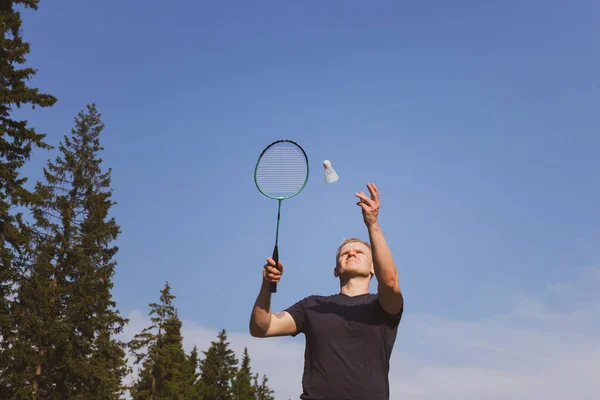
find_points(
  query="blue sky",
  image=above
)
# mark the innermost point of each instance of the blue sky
(477, 121)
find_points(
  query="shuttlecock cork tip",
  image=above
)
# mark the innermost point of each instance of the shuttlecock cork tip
(326, 164)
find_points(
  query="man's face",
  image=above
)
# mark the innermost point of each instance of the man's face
(354, 260)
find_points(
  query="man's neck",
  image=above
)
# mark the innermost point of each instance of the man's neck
(355, 286)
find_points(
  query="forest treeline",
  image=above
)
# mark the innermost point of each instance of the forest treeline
(60, 328)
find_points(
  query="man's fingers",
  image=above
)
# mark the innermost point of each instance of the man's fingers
(373, 190)
(271, 262)
(273, 276)
(362, 205)
(272, 273)
(364, 198)
(273, 270)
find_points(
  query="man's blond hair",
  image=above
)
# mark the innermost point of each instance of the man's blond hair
(345, 242)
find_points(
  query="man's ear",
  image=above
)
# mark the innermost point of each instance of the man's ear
(335, 272)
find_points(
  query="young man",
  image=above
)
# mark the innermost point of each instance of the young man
(349, 335)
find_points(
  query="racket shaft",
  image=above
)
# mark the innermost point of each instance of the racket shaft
(273, 286)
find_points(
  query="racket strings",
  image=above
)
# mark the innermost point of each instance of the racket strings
(282, 170)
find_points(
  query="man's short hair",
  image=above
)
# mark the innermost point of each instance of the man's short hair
(345, 242)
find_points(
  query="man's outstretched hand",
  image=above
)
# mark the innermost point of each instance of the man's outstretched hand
(370, 206)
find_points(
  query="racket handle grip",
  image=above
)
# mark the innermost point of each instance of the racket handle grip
(273, 285)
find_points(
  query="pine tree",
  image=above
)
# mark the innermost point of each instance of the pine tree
(17, 140)
(171, 363)
(218, 369)
(165, 372)
(262, 391)
(191, 376)
(241, 387)
(35, 317)
(63, 310)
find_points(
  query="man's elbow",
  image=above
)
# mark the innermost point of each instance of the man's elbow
(256, 332)
(391, 286)
(391, 298)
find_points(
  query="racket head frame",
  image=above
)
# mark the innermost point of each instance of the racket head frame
(258, 163)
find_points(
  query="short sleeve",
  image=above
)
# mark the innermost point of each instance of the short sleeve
(298, 313)
(395, 319)
(391, 320)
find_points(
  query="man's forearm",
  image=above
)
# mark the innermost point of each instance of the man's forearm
(260, 319)
(383, 261)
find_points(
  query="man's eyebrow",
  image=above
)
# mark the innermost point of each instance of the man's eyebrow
(357, 248)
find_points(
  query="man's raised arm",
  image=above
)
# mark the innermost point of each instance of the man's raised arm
(388, 284)
(263, 323)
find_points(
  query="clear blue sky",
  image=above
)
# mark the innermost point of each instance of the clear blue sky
(478, 121)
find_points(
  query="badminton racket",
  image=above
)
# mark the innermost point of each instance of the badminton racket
(281, 173)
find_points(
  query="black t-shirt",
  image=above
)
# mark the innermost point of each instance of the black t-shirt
(349, 341)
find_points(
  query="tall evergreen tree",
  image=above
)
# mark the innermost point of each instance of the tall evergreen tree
(17, 140)
(171, 363)
(262, 391)
(218, 369)
(36, 319)
(165, 372)
(241, 387)
(64, 311)
(191, 376)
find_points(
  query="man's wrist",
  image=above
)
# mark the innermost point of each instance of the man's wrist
(373, 227)
(266, 286)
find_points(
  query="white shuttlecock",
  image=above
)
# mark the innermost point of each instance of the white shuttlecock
(330, 174)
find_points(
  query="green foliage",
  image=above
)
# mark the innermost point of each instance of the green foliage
(166, 371)
(171, 363)
(191, 376)
(17, 140)
(58, 321)
(63, 312)
(218, 369)
(262, 391)
(37, 333)
(241, 387)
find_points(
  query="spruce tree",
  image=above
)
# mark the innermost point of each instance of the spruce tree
(241, 387)
(171, 363)
(63, 312)
(165, 368)
(218, 369)
(35, 317)
(191, 376)
(17, 141)
(262, 391)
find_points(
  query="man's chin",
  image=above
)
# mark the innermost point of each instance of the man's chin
(349, 273)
